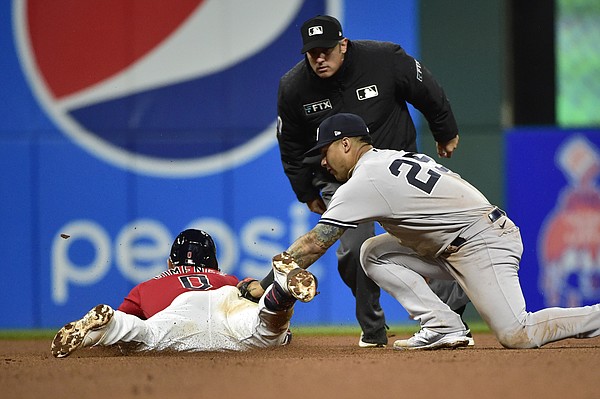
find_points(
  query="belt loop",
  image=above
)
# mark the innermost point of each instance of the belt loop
(496, 214)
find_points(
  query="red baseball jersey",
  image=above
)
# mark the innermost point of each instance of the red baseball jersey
(152, 296)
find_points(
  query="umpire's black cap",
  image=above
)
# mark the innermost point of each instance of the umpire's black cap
(321, 31)
(337, 127)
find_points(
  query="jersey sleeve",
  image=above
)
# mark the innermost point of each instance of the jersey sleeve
(356, 201)
(293, 142)
(230, 279)
(420, 88)
(131, 304)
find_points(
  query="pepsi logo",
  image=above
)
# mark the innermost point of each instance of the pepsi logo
(169, 89)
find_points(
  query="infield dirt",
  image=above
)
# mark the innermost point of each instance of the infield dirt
(311, 367)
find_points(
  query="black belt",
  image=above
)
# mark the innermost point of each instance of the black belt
(493, 216)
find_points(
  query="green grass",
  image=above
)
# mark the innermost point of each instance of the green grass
(307, 330)
(476, 327)
(27, 334)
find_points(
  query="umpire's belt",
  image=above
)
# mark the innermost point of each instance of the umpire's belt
(475, 228)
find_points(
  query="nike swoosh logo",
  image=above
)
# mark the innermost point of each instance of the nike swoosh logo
(503, 224)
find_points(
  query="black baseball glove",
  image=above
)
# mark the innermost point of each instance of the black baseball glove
(243, 287)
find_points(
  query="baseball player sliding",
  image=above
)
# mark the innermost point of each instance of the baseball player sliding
(193, 307)
(437, 226)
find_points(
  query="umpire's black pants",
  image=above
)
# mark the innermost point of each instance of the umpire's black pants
(369, 313)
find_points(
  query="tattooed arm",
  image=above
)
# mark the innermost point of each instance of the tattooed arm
(311, 246)
(305, 251)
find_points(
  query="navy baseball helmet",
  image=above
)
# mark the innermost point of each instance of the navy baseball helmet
(194, 248)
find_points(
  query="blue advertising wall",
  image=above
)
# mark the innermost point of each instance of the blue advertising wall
(553, 195)
(123, 126)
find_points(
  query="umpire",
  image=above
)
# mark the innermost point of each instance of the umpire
(374, 80)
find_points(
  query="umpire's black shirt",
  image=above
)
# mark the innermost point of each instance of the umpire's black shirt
(376, 81)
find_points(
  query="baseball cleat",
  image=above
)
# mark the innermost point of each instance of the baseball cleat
(460, 311)
(288, 338)
(297, 282)
(302, 285)
(471, 340)
(83, 332)
(365, 344)
(430, 340)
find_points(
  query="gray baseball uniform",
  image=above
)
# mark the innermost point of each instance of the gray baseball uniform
(440, 226)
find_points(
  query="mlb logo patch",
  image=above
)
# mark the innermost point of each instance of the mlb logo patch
(315, 30)
(365, 93)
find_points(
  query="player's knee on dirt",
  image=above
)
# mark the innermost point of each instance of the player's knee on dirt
(516, 338)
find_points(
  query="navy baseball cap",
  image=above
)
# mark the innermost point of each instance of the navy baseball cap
(337, 127)
(321, 31)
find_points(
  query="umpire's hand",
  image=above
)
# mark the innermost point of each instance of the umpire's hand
(446, 149)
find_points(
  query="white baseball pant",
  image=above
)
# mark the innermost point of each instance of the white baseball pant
(213, 320)
(486, 267)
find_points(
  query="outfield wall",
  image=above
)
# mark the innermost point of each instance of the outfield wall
(123, 125)
(122, 139)
(553, 195)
